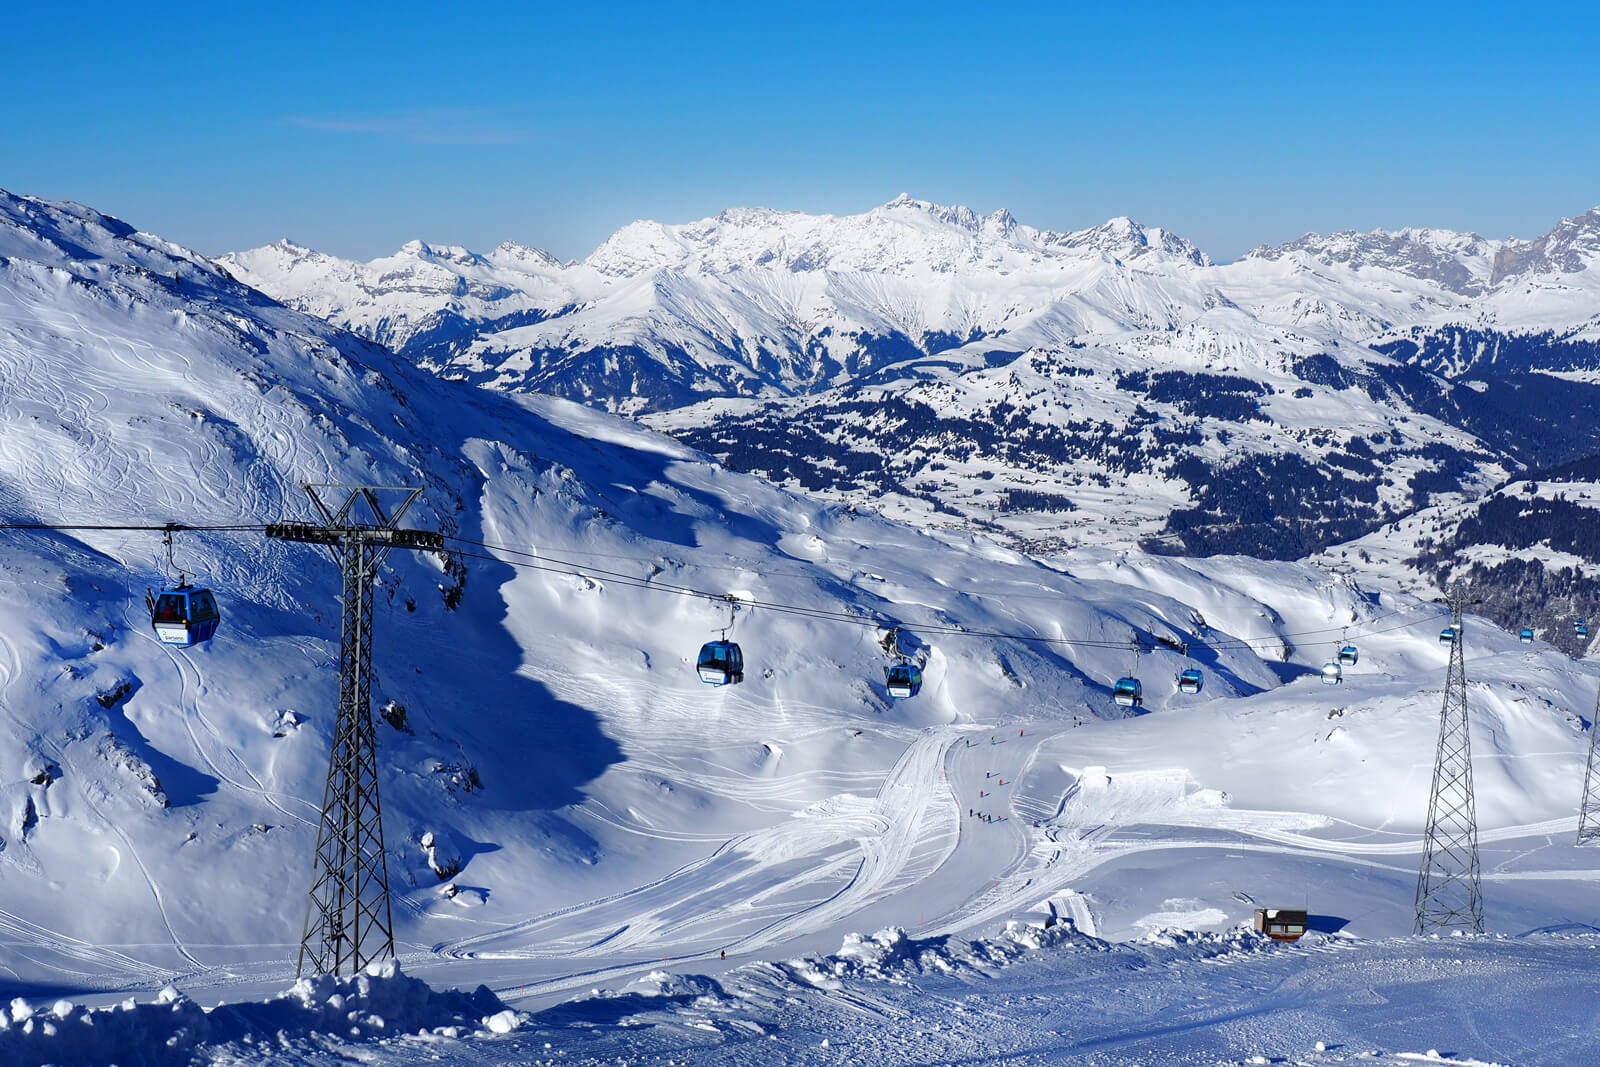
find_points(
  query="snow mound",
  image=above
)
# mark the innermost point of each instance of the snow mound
(668, 984)
(172, 1030)
(891, 955)
(1201, 945)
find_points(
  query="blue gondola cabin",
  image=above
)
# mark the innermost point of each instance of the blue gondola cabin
(1348, 656)
(903, 680)
(184, 616)
(1190, 681)
(1332, 674)
(720, 663)
(1128, 693)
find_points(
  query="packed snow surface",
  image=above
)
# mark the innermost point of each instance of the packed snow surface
(712, 861)
(1028, 994)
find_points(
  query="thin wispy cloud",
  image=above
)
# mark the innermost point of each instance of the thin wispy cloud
(417, 127)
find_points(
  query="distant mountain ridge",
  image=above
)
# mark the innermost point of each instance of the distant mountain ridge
(1464, 263)
(756, 302)
(749, 302)
(950, 366)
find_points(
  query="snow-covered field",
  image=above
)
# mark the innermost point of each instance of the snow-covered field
(715, 862)
(1026, 995)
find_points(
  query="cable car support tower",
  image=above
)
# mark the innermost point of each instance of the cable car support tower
(348, 921)
(1589, 809)
(1449, 894)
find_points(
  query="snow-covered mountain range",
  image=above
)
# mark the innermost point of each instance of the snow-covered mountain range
(603, 815)
(755, 301)
(948, 367)
(750, 302)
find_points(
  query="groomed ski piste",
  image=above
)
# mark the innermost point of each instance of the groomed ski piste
(647, 869)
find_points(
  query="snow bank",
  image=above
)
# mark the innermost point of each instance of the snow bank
(894, 957)
(1199, 945)
(380, 1003)
(891, 955)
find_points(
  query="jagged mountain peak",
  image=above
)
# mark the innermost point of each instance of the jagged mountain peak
(750, 216)
(1467, 264)
(512, 254)
(287, 250)
(954, 215)
(1571, 245)
(903, 236)
(1122, 238)
(1459, 262)
(439, 253)
(754, 300)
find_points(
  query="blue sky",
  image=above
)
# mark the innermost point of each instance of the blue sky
(356, 129)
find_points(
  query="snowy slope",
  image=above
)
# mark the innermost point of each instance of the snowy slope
(611, 814)
(1032, 995)
(143, 388)
(1528, 550)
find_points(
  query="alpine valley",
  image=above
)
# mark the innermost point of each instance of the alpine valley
(1110, 386)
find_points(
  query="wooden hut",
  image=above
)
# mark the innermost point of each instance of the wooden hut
(1281, 924)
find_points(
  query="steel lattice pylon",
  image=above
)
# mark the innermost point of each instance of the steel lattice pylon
(1449, 894)
(348, 922)
(1589, 810)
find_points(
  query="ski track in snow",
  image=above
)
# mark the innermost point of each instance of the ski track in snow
(100, 961)
(189, 700)
(57, 943)
(843, 854)
(155, 889)
(913, 841)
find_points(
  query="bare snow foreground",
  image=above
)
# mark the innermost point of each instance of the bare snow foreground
(1028, 995)
(1032, 996)
(175, 1030)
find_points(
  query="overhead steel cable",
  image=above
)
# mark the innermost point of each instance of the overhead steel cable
(749, 565)
(553, 564)
(1365, 631)
(587, 571)
(174, 527)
